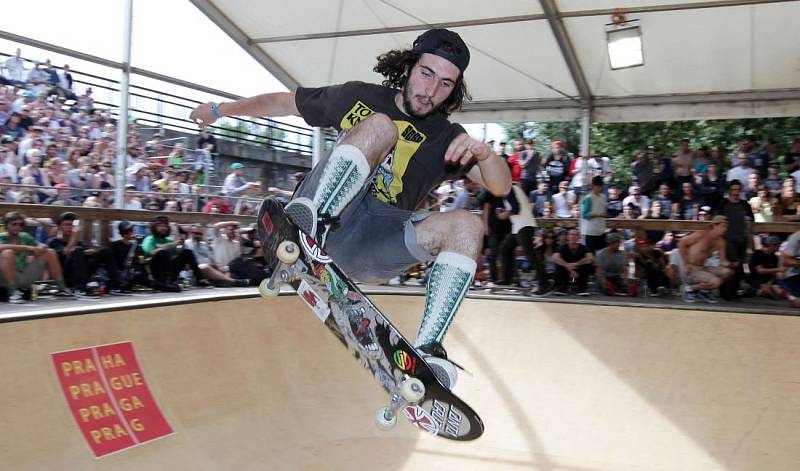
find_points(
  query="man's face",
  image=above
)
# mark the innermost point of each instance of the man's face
(664, 190)
(430, 83)
(687, 189)
(613, 193)
(572, 237)
(562, 187)
(518, 146)
(162, 229)
(128, 236)
(15, 227)
(720, 229)
(66, 227)
(735, 191)
(542, 187)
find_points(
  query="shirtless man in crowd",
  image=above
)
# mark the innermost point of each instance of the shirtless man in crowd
(695, 250)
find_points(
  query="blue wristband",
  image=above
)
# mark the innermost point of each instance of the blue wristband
(215, 111)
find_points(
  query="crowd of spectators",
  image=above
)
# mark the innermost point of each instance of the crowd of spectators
(58, 147)
(728, 189)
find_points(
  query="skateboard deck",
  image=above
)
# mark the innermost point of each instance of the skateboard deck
(366, 333)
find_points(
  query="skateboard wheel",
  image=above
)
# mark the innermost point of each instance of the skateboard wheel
(288, 252)
(412, 390)
(385, 419)
(265, 291)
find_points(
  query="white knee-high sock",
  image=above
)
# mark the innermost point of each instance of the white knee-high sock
(450, 278)
(343, 177)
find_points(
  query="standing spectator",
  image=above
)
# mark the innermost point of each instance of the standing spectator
(529, 161)
(683, 163)
(765, 269)
(792, 158)
(235, 184)
(23, 260)
(581, 177)
(713, 188)
(642, 170)
(763, 205)
(639, 201)
(741, 173)
(610, 264)
(557, 165)
(773, 182)
(522, 229)
(656, 212)
(790, 259)
(599, 166)
(206, 139)
(65, 82)
(514, 161)
(15, 69)
(497, 224)
(573, 262)
(593, 216)
(738, 215)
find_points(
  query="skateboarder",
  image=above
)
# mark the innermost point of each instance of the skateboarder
(395, 145)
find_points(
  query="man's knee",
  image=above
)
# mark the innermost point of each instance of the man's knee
(377, 132)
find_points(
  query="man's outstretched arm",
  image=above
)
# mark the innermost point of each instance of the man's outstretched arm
(265, 105)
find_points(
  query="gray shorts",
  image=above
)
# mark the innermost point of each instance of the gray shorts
(374, 241)
(34, 271)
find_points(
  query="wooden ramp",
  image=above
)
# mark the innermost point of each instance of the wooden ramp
(248, 384)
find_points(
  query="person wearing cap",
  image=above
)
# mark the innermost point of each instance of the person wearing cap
(765, 269)
(638, 200)
(695, 251)
(129, 258)
(235, 184)
(399, 132)
(610, 263)
(167, 256)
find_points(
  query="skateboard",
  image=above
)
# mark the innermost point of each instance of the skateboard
(367, 334)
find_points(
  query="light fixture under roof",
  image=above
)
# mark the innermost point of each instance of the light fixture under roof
(624, 42)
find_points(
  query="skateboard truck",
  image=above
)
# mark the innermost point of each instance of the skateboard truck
(410, 391)
(288, 252)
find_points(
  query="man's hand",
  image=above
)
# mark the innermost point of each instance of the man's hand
(464, 149)
(202, 116)
(39, 250)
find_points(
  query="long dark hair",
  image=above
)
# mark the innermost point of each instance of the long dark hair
(396, 66)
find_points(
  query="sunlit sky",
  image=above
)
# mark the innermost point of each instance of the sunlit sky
(171, 37)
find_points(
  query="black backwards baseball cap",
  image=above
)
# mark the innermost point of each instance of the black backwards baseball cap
(445, 44)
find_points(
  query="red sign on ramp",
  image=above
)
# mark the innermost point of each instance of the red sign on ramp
(109, 398)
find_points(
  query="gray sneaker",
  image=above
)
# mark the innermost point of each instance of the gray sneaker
(708, 297)
(689, 296)
(16, 297)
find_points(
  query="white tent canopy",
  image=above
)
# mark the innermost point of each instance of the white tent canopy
(546, 60)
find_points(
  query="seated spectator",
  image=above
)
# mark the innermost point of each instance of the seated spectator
(651, 263)
(250, 265)
(23, 260)
(544, 264)
(655, 213)
(773, 182)
(78, 261)
(202, 251)
(610, 264)
(669, 208)
(167, 256)
(563, 201)
(573, 265)
(635, 198)
(667, 242)
(235, 184)
(539, 198)
(218, 204)
(788, 202)
(227, 244)
(765, 269)
(695, 250)
(742, 173)
(688, 205)
(613, 203)
(790, 260)
(712, 187)
(129, 258)
(763, 205)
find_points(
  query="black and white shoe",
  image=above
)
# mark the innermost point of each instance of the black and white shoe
(444, 369)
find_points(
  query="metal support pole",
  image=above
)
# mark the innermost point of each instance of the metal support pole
(586, 129)
(122, 122)
(317, 146)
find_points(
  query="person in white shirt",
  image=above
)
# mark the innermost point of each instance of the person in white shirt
(563, 201)
(227, 244)
(742, 173)
(15, 68)
(7, 169)
(637, 199)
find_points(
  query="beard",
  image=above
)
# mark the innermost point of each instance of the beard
(408, 105)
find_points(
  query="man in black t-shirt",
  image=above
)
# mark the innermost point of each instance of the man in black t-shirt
(395, 145)
(737, 237)
(573, 265)
(765, 267)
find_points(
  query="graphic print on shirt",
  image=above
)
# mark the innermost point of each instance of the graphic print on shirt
(389, 177)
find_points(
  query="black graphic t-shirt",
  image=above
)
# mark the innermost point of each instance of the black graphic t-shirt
(415, 165)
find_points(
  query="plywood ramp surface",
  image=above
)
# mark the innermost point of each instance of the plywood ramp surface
(255, 385)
